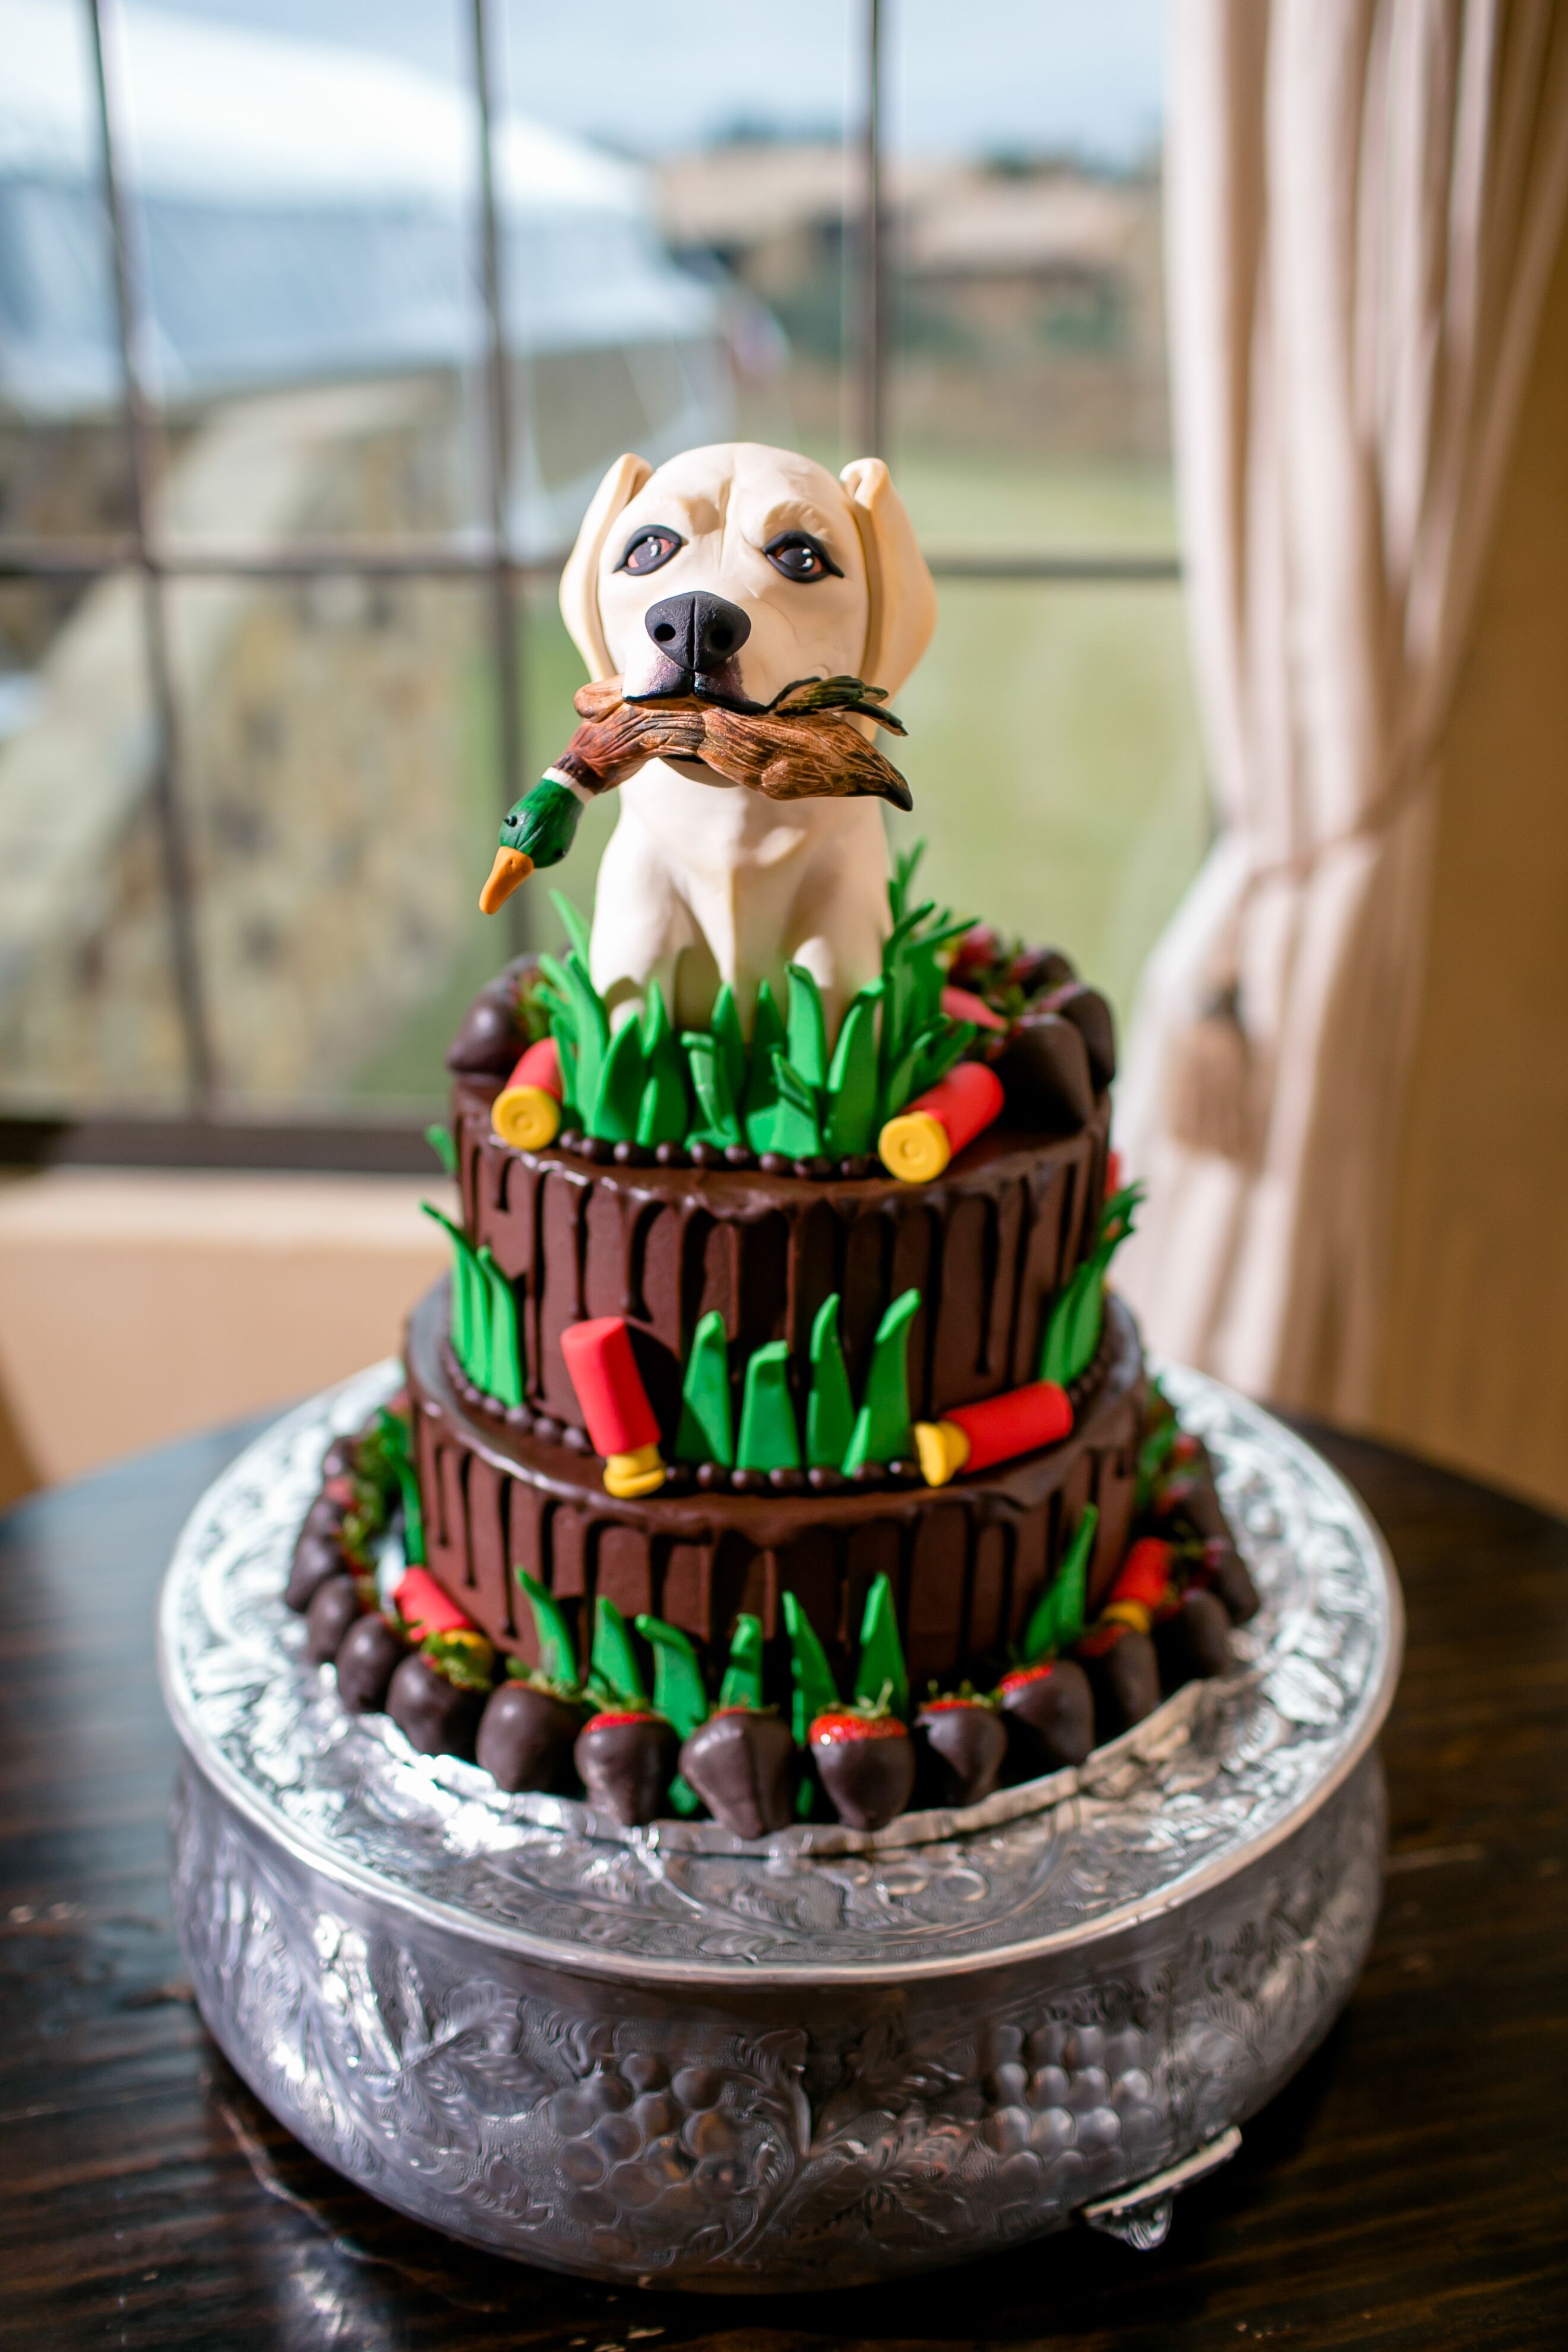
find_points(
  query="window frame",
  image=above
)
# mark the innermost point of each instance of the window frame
(210, 1134)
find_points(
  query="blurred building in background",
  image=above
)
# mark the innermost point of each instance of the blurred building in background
(1027, 303)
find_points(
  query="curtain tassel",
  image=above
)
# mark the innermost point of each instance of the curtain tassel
(1209, 1103)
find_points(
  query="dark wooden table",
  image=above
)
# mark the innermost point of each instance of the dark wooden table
(1410, 2189)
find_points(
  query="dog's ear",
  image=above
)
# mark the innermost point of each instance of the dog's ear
(580, 579)
(902, 594)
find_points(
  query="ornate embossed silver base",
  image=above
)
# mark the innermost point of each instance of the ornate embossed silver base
(664, 2056)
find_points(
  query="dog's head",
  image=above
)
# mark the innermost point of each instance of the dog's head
(733, 571)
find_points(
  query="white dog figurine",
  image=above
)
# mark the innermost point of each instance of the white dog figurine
(731, 573)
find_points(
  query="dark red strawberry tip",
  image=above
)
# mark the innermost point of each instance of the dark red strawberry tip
(602, 1722)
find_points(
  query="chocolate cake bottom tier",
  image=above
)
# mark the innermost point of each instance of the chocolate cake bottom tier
(966, 1561)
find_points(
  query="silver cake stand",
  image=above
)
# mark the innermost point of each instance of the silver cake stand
(664, 2056)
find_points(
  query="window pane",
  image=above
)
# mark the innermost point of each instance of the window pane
(735, 133)
(1028, 398)
(64, 470)
(1053, 759)
(339, 745)
(88, 1017)
(306, 217)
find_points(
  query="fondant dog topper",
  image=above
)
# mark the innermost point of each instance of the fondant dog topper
(745, 616)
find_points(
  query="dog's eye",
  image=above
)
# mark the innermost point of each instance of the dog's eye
(647, 549)
(799, 557)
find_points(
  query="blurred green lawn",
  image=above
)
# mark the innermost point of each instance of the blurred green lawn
(1053, 747)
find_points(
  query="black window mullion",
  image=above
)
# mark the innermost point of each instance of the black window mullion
(168, 795)
(874, 288)
(503, 599)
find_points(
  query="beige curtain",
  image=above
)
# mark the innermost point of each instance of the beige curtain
(1364, 203)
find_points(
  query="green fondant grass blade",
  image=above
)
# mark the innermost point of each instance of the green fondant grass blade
(807, 1029)
(613, 1115)
(762, 1083)
(614, 1671)
(576, 929)
(881, 1431)
(394, 1434)
(1072, 1585)
(1088, 1316)
(718, 1118)
(470, 1301)
(850, 1128)
(505, 1336)
(940, 1048)
(904, 869)
(742, 1683)
(707, 1430)
(814, 1691)
(678, 1691)
(1056, 1348)
(664, 1111)
(881, 1666)
(440, 1139)
(768, 1440)
(796, 1130)
(732, 1044)
(557, 1651)
(580, 1023)
(829, 1408)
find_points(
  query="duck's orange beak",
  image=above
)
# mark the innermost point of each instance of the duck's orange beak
(511, 867)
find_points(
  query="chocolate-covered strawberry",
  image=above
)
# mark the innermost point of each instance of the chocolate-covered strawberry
(1124, 1674)
(866, 1762)
(334, 1607)
(740, 1763)
(961, 1746)
(369, 1656)
(1193, 1640)
(1048, 1714)
(526, 1734)
(435, 1698)
(626, 1757)
(531, 1719)
(1118, 1652)
(1222, 1570)
(318, 1554)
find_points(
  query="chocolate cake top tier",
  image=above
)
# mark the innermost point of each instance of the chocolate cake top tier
(987, 1245)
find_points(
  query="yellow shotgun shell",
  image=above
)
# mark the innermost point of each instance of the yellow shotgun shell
(943, 1449)
(528, 1117)
(642, 1473)
(915, 1147)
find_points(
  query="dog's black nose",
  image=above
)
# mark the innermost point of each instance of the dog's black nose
(698, 632)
